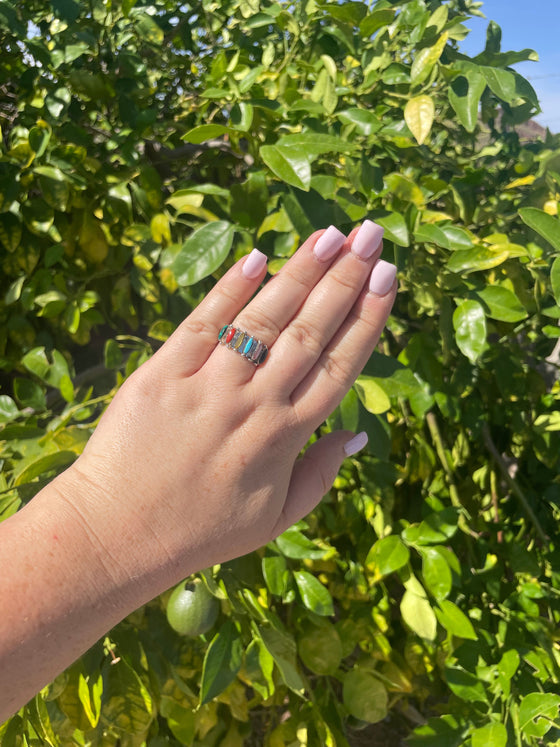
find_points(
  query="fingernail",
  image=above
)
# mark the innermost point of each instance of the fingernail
(382, 277)
(254, 264)
(356, 444)
(329, 243)
(367, 240)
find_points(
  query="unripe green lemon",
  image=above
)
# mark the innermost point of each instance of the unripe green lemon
(191, 609)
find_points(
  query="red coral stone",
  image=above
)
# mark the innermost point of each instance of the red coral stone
(230, 334)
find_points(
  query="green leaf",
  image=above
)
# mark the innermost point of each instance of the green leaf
(314, 595)
(419, 114)
(39, 717)
(491, 735)
(436, 573)
(388, 555)
(418, 614)
(502, 304)
(554, 279)
(477, 259)
(376, 20)
(202, 133)
(275, 572)
(294, 544)
(372, 395)
(324, 92)
(459, 239)
(49, 371)
(26, 472)
(438, 527)
(537, 712)
(290, 165)
(405, 189)
(203, 252)
(431, 234)
(455, 621)
(464, 96)
(469, 323)
(282, 647)
(66, 9)
(364, 121)
(395, 228)
(364, 696)
(501, 82)
(465, 685)
(8, 409)
(544, 224)
(221, 662)
(127, 703)
(10, 231)
(90, 698)
(29, 394)
(39, 139)
(426, 59)
(320, 649)
(149, 29)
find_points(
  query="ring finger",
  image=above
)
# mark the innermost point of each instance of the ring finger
(271, 310)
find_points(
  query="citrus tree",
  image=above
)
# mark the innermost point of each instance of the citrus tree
(145, 147)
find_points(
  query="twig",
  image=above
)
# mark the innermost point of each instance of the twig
(515, 489)
(440, 450)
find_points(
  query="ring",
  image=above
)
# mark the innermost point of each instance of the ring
(243, 343)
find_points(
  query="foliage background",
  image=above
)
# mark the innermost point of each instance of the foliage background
(144, 149)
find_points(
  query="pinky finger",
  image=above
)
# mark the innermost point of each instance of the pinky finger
(314, 474)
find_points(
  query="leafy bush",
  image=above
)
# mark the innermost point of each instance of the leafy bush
(145, 148)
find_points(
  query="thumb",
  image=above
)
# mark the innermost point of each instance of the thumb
(314, 474)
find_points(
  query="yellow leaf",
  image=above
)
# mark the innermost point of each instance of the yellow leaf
(521, 182)
(419, 115)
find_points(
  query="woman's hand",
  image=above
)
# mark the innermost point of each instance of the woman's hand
(196, 459)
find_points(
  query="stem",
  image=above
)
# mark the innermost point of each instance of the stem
(514, 487)
(495, 502)
(440, 449)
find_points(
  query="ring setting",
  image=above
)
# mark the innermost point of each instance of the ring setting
(254, 350)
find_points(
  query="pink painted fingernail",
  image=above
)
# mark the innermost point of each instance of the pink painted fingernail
(329, 243)
(356, 444)
(367, 240)
(254, 264)
(382, 277)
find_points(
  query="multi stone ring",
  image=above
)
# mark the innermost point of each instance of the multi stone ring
(243, 343)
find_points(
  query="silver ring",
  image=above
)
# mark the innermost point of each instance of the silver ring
(243, 343)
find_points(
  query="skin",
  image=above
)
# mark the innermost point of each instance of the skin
(196, 461)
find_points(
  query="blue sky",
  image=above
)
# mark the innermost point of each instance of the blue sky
(527, 23)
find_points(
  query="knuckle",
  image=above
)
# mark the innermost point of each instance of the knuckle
(338, 370)
(307, 336)
(199, 326)
(346, 280)
(259, 325)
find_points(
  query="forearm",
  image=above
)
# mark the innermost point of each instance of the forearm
(59, 592)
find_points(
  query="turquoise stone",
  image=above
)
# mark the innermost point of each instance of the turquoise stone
(248, 345)
(222, 331)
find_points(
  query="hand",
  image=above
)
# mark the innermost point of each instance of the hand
(196, 459)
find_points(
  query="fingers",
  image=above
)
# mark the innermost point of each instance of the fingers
(302, 342)
(347, 353)
(314, 474)
(193, 341)
(274, 307)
